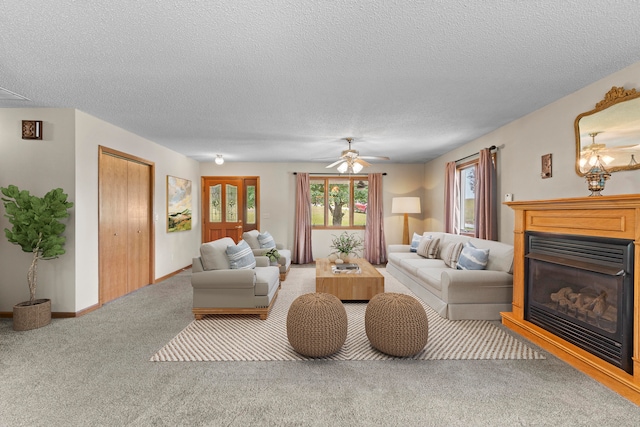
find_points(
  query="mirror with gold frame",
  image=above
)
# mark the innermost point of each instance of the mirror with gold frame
(611, 131)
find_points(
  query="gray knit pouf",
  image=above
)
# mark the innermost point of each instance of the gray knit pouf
(396, 324)
(317, 324)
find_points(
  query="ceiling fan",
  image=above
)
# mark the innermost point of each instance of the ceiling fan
(351, 161)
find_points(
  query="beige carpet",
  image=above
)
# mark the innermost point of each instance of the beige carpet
(247, 338)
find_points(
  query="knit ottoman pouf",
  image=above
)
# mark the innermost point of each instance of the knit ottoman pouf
(317, 324)
(396, 324)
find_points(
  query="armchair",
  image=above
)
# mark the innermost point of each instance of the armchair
(219, 289)
(251, 237)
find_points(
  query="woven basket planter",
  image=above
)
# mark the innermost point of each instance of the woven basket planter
(26, 316)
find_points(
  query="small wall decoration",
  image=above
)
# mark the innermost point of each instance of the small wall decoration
(546, 166)
(32, 129)
(178, 204)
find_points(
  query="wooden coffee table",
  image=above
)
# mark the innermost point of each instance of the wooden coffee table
(349, 286)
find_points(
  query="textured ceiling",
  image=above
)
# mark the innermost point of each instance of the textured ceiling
(286, 80)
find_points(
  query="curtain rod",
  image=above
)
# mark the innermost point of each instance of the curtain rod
(493, 147)
(339, 174)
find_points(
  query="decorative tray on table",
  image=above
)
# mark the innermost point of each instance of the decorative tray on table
(345, 268)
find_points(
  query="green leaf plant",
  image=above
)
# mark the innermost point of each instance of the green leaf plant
(35, 226)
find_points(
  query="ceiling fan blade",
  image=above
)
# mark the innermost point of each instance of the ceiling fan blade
(362, 162)
(375, 157)
(336, 163)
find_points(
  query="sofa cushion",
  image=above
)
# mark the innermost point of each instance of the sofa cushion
(251, 237)
(428, 247)
(266, 240)
(214, 255)
(450, 252)
(415, 241)
(500, 257)
(396, 258)
(240, 256)
(472, 258)
(411, 266)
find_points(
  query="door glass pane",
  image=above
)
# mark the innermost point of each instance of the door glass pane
(468, 199)
(317, 203)
(232, 203)
(251, 204)
(360, 199)
(338, 202)
(215, 203)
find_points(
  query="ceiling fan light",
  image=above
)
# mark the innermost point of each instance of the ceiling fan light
(357, 167)
(342, 168)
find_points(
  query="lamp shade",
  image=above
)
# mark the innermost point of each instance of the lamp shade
(405, 205)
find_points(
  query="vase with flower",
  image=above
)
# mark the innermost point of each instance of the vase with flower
(345, 245)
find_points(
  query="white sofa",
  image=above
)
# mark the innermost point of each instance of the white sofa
(457, 294)
(219, 289)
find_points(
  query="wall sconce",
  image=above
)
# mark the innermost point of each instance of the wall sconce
(219, 160)
(32, 129)
(405, 205)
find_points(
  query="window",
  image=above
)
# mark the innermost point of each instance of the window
(468, 197)
(467, 174)
(339, 202)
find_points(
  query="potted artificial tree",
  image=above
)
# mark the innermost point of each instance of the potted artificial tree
(36, 229)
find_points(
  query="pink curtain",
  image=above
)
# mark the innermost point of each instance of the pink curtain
(486, 198)
(375, 247)
(451, 196)
(302, 253)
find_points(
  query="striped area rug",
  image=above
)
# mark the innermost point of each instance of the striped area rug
(247, 338)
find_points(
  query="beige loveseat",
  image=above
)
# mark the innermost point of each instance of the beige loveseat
(457, 294)
(219, 289)
(251, 237)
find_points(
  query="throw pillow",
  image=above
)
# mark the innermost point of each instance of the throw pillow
(472, 258)
(241, 256)
(266, 240)
(415, 241)
(428, 247)
(450, 252)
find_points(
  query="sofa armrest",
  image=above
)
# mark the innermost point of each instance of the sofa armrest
(224, 279)
(398, 248)
(475, 285)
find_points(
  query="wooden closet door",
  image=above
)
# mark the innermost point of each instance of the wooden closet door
(113, 227)
(138, 225)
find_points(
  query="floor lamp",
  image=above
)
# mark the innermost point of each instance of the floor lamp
(406, 206)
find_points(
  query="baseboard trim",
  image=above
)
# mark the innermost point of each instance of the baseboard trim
(160, 279)
(70, 314)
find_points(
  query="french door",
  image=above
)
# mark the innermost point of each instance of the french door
(229, 207)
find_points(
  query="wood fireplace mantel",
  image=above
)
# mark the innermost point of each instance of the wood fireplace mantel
(602, 216)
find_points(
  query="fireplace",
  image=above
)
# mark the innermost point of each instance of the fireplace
(612, 224)
(580, 288)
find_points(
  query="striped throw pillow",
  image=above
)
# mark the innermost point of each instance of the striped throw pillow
(428, 247)
(472, 258)
(266, 240)
(241, 256)
(450, 252)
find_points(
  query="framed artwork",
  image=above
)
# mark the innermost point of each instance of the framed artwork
(546, 166)
(178, 204)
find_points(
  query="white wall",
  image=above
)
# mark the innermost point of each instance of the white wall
(523, 142)
(277, 197)
(38, 166)
(172, 250)
(67, 157)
